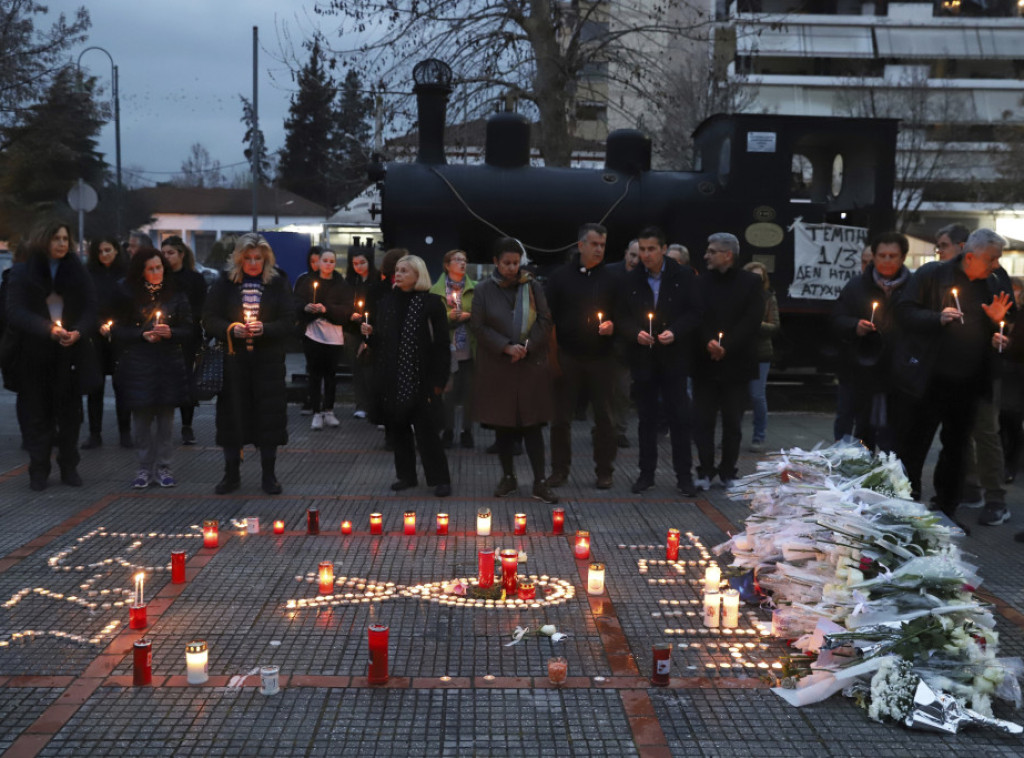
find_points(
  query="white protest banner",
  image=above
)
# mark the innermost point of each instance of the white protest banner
(825, 258)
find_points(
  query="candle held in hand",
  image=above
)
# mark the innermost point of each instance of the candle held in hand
(874, 307)
(956, 299)
(315, 285)
(1001, 325)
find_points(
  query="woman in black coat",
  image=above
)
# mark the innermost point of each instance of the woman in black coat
(190, 282)
(361, 275)
(151, 324)
(51, 312)
(312, 270)
(250, 308)
(408, 337)
(107, 266)
(323, 307)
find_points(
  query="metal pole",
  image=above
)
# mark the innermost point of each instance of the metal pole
(117, 148)
(255, 129)
(81, 217)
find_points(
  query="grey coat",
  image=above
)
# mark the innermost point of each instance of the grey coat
(508, 394)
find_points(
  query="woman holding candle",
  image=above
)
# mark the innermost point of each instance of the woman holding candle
(758, 387)
(361, 275)
(106, 265)
(456, 288)
(51, 314)
(250, 308)
(869, 333)
(409, 340)
(151, 323)
(324, 306)
(182, 263)
(512, 386)
(312, 272)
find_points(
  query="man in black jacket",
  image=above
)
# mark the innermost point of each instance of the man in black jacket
(659, 312)
(581, 296)
(950, 321)
(732, 304)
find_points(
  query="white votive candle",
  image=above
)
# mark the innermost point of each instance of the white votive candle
(595, 579)
(196, 657)
(731, 609)
(712, 578)
(712, 609)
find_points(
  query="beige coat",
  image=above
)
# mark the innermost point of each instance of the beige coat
(508, 394)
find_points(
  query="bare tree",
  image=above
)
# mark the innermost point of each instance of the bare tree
(925, 157)
(199, 169)
(548, 54)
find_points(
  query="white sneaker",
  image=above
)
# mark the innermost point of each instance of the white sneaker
(318, 422)
(330, 419)
(359, 414)
(702, 483)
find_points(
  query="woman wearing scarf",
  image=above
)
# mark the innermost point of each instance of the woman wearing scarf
(512, 387)
(361, 276)
(250, 309)
(456, 289)
(151, 323)
(864, 319)
(408, 337)
(51, 314)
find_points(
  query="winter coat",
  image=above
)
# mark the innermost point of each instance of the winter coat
(27, 338)
(105, 280)
(575, 296)
(151, 374)
(252, 407)
(770, 324)
(335, 294)
(430, 336)
(507, 394)
(677, 311)
(732, 304)
(468, 290)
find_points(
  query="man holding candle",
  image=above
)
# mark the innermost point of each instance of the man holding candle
(732, 307)
(581, 295)
(658, 307)
(864, 321)
(945, 362)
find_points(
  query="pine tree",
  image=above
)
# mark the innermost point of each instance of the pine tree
(54, 144)
(306, 166)
(351, 139)
(263, 162)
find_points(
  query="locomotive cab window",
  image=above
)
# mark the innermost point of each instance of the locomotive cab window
(802, 173)
(724, 161)
(836, 185)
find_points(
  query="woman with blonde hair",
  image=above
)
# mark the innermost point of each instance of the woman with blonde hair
(409, 341)
(250, 309)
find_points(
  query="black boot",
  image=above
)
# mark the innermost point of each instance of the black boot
(232, 480)
(270, 484)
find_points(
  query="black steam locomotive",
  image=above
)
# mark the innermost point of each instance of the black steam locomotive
(756, 175)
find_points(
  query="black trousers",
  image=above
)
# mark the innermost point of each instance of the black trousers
(712, 397)
(49, 410)
(322, 364)
(419, 427)
(669, 388)
(95, 406)
(952, 404)
(594, 377)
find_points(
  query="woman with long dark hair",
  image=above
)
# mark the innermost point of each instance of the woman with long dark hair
(312, 270)
(250, 309)
(182, 264)
(152, 323)
(106, 265)
(409, 341)
(51, 307)
(361, 275)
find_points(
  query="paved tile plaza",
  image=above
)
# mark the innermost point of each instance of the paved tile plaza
(455, 688)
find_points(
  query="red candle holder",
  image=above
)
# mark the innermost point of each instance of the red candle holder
(377, 670)
(558, 520)
(442, 524)
(520, 524)
(142, 662)
(326, 577)
(313, 521)
(582, 546)
(376, 523)
(410, 523)
(210, 537)
(137, 617)
(177, 567)
(661, 665)
(672, 545)
(278, 527)
(346, 527)
(485, 569)
(527, 590)
(509, 571)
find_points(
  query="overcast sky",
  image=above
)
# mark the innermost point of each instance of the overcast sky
(182, 66)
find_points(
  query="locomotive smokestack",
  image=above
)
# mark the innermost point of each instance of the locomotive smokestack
(433, 84)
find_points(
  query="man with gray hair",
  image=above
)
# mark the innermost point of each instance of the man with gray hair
(732, 304)
(950, 320)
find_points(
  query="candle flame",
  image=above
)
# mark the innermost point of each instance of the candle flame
(954, 292)
(650, 316)
(600, 316)
(59, 324)
(874, 305)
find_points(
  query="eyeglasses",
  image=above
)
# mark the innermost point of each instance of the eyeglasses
(458, 259)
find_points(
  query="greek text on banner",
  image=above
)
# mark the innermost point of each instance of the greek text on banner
(825, 258)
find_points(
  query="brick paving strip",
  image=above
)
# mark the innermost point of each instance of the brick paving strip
(648, 735)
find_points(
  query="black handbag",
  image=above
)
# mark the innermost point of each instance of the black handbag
(208, 375)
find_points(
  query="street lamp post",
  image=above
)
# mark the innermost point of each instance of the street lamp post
(117, 126)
